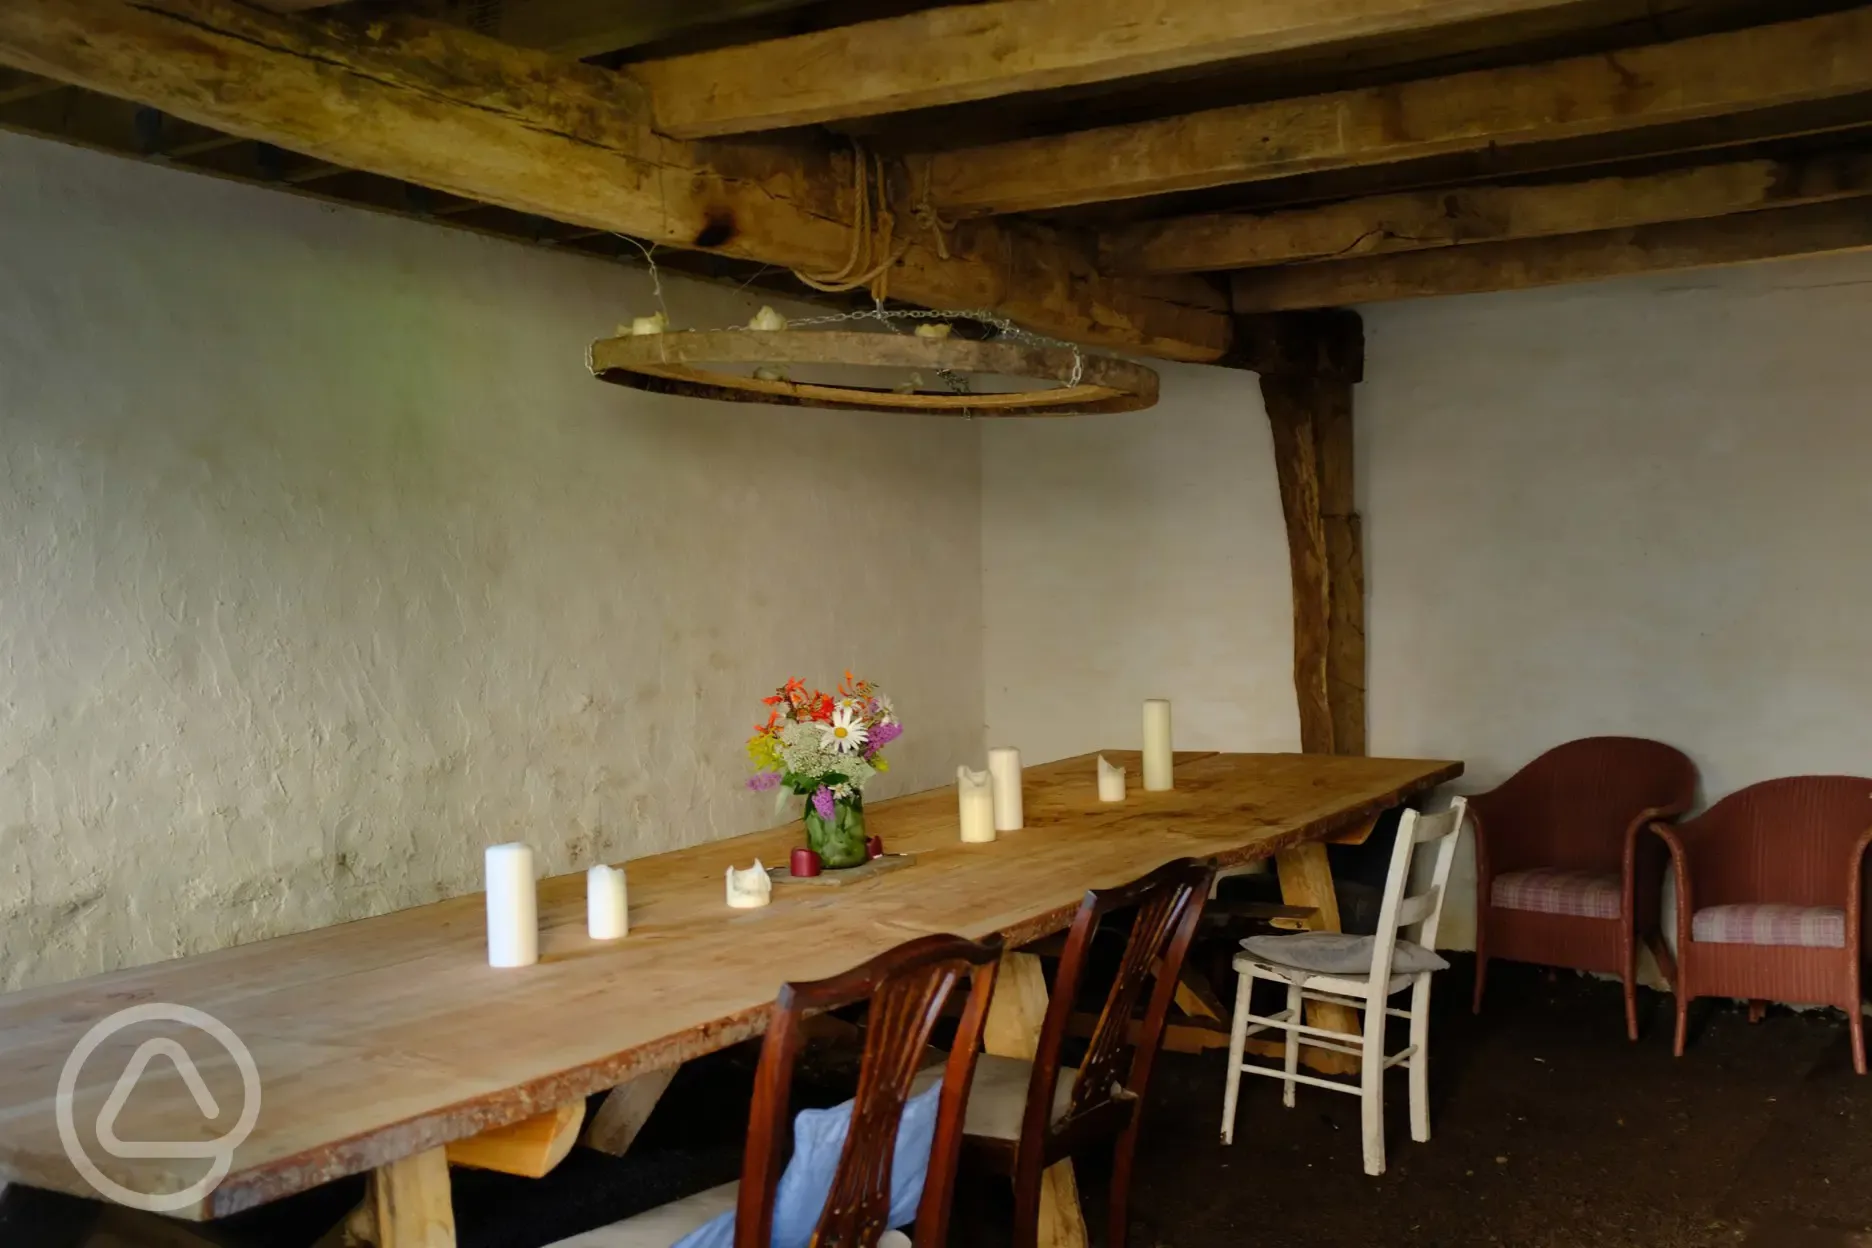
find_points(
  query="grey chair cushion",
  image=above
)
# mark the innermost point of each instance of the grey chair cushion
(1335, 953)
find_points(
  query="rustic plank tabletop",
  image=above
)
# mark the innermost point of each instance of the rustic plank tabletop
(378, 1039)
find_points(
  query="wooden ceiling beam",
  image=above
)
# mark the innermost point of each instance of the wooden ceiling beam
(580, 28)
(1771, 234)
(457, 112)
(1420, 220)
(958, 53)
(1766, 67)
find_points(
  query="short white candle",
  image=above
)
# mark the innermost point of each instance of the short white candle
(1158, 760)
(607, 903)
(1111, 781)
(975, 792)
(1004, 768)
(512, 907)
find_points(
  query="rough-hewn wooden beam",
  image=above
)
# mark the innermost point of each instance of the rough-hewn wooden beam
(1421, 220)
(1308, 366)
(587, 27)
(457, 112)
(971, 52)
(1713, 75)
(1771, 234)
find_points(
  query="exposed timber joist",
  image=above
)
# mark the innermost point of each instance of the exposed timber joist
(958, 53)
(1787, 64)
(1421, 220)
(457, 112)
(580, 28)
(1771, 234)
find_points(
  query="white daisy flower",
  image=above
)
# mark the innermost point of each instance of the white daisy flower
(882, 710)
(844, 734)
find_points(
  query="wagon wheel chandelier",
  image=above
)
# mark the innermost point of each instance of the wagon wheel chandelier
(929, 371)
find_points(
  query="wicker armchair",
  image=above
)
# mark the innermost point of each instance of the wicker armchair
(1565, 875)
(1769, 888)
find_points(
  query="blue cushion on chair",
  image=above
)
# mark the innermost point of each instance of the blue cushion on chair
(818, 1139)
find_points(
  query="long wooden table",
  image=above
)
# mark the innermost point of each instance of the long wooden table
(381, 1040)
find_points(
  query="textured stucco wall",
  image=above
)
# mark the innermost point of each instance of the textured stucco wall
(327, 565)
(1133, 556)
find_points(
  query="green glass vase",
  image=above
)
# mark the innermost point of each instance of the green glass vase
(840, 840)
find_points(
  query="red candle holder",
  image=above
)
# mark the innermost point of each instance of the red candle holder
(805, 864)
(874, 847)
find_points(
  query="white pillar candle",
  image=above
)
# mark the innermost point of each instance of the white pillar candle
(512, 907)
(1004, 769)
(976, 795)
(607, 904)
(1111, 781)
(1157, 756)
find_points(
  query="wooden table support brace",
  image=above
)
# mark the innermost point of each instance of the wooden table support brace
(626, 1108)
(529, 1148)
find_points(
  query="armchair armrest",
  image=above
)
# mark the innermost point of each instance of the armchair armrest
(1855, 890)
(1642, 867)
(1680, 859)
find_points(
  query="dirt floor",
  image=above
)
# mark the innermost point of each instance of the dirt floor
(1550, 1130)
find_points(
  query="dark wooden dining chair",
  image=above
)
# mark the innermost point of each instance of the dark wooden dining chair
(1770, 890)
(907, 989)
(1024, 1116)
(1566, 874)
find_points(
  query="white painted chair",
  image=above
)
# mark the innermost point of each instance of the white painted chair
(1364, 973)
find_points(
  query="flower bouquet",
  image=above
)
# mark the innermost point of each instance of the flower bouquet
(825, 747)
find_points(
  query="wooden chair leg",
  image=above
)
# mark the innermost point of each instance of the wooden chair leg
(1683, 1020)
(1371, 1089)
(1631, 987)
(1118, 1219)
(1758, 1009)
(1856, 1025)
(1296, 1008)
(1420, 1060)
(1238, 1039)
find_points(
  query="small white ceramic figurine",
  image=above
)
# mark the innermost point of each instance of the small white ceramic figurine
(749, 889)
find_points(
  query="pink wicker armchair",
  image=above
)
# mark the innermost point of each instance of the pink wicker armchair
(1565, 875)
(1769, 885)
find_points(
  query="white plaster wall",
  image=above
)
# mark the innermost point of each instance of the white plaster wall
(1640, 507)
(1133, 556)
(327, 565)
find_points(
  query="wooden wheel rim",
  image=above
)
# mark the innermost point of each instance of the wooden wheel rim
(678, 363)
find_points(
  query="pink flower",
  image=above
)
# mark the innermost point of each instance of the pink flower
(763, 781)
(823, 803)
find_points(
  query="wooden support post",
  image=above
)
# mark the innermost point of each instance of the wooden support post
(410, 1202)
(1308, 365)
(1013, 1030)
(614, 1128)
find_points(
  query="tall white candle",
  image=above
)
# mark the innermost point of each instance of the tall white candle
(976, 794)
(1004, 768)
(1157, 757)
(1111, 781)
(607, 904)
(512, 907)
